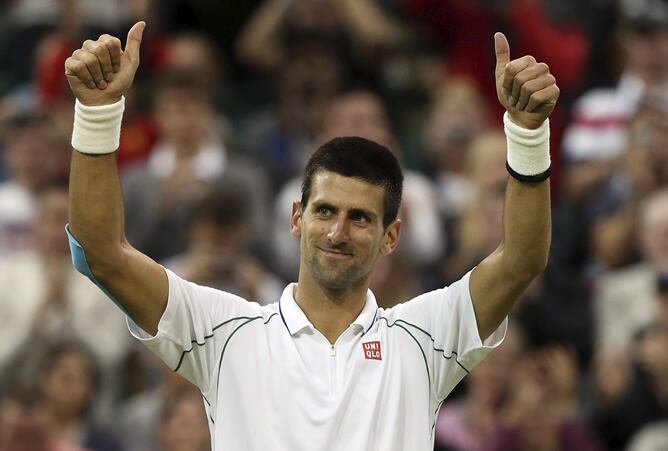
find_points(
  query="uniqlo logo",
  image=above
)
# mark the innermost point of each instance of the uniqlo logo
(372, 350)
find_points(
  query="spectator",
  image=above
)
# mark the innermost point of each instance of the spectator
(281, 136)
(140, 416)
(35, 155)
(625, 300)
(597, 133)
(184, 426)
(457, 116)
(49, 301)
(189, 157)
(218, 253)
(479, 229)
(468, 423)
(633, 393)
(354, 28)
(69, 383)
(538, 413)
(24, 423)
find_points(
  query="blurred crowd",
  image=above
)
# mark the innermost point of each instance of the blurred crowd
(231, 99)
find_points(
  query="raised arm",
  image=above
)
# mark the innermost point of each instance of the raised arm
(529, 93)
(99, 74)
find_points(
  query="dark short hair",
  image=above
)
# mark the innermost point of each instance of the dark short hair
(223, 205)
(181, 80)
(26, 395)
(362, 159)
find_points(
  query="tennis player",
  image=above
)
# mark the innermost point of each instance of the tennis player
(323, 367)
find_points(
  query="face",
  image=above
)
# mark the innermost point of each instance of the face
(34, 160)
(654, 232)
(647, 55)
(68, 385)
(359, 114)
(182, 117)
(186, 428)
(23, 428)
(341, 231)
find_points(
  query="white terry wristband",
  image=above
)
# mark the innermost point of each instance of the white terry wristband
(528, 156)
(97, 129)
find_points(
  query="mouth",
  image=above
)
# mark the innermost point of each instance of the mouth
(332, 253)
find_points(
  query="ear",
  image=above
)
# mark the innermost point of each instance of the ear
(391, 238)
(295, 219)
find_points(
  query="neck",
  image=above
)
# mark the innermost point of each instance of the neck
(330, 311)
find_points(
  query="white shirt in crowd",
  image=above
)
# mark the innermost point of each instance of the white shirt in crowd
(270, 380)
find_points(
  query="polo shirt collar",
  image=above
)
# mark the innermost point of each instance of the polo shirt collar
(295, 319)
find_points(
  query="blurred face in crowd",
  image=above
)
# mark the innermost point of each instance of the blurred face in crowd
(457, 116)
(185, 427)
(183, 117)
(68, 384)
(34, 156)
(23, 427)
(358, 113)
(341, 231)
(193, 53)
(646, 55)
(487, 381)
(306, 85)
(654, 230)
(50, 221)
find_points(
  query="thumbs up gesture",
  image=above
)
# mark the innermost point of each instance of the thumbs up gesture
(524, 86)
(99, 73)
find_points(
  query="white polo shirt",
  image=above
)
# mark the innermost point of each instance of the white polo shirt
(271, 381)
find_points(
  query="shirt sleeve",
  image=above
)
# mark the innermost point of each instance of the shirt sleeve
(194, 327)
(443, 323)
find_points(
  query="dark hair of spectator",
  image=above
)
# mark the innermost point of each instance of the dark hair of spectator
(362, 159)
(31, 121)
(180, 80)
(28, 396)
(58, 350)
(223, 206)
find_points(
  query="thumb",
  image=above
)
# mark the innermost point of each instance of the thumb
(134, 41)
(502, 50)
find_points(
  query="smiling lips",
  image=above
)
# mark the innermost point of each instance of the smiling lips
(335, 253)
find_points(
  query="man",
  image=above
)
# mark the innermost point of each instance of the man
(323, 368)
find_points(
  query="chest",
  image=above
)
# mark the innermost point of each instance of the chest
(306, 389)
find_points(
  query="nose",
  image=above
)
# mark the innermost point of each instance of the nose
(338, 233)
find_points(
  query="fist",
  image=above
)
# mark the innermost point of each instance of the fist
(99, 73)
(524, 86)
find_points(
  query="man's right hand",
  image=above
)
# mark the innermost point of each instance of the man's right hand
(99, 73)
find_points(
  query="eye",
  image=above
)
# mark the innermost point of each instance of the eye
(324, 211)
(359, 217)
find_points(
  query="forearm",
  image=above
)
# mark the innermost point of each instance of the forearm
(368, 23)
(96, 208)
(527, 228)
(258, 41)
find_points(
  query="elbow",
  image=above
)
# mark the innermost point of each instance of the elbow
(526, 267)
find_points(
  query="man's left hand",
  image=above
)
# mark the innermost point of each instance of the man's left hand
(524, 86)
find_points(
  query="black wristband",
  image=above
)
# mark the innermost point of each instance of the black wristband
(529, 178)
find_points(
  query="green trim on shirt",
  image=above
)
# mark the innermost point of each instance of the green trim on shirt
(183, 354)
